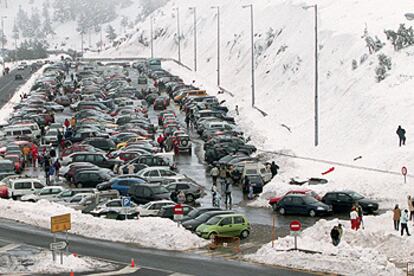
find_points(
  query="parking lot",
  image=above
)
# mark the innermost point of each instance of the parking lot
(102, 132)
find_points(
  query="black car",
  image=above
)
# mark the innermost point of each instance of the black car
(18, 77)
(298, 204)
(145, 193)
(101, 143)
(192, 224)
(89, 179)
(344, 201)
(168, 211)
(199, 211)
(97, 159)
(192, 191)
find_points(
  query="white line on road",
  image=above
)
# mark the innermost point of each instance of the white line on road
(125, 270)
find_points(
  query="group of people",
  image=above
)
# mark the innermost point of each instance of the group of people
(403, 217)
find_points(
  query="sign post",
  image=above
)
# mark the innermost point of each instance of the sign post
(404, 173)
(126, 203)
(58, 224)
(178, 213)
(295, 227)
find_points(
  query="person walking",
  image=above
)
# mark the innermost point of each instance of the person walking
(217, 199)
(213, 193)
(360, 212)
(46, 166)
(214, 172)
(56, 166)
(396, 217)
(404, 223)
(410, 207)
(160, 141)
(227, 191)
(35, 155)
(187, 121)
(274, 168)
(335, 235)
(66, 123)
(401, 135)
(174, 195)
(237, 110)
(354, 219)
(73, 122)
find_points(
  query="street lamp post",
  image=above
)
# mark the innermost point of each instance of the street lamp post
(194, 9)
(218, 43)
(178, 34)
(152, 36)
(2, 31)
(252, 50)
(315, 7)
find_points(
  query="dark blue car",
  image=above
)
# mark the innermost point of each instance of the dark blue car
(122, 184)
(298, 204)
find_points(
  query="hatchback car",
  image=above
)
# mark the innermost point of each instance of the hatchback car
(48, 192)
(160, 175)
(231, 225)
(115, 209)
(152, 208)
(192, 191)
(144, 193)
(297, 204)
(274, 200)
(168, 210)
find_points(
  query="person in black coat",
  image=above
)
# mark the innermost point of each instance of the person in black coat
(401, 135)
(335, 235)
(274, 168)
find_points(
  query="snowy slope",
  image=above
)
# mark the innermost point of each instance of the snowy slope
(67, 37)
(358, 116)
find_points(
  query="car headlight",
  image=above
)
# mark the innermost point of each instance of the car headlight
(370, 205)
(320, 208)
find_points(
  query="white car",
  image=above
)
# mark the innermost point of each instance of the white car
(160, 175)
(114, 206)
(45, 193)
(152, 208)
(67, 195)
(51, 137)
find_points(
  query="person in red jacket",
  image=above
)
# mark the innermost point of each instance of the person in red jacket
(160, 141)
(66, 123)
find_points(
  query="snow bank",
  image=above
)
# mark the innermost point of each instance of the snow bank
(365, 252)
(148, 232)
(43, 263)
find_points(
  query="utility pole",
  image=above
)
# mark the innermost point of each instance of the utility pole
(218, 43)
(194, 9)
(152, 36)
(2, 31)
(252, 50)
(178, 34)
(315, 7)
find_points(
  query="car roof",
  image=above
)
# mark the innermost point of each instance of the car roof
(231, 215)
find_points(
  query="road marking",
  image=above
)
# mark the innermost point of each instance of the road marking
(9, 247)
(180, 274)
(125, 270)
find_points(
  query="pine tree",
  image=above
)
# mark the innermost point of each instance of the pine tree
(47, 24)
(110, 33)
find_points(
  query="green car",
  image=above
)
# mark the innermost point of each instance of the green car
(231, 225)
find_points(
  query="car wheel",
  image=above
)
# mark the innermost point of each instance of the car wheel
(282, 211)
(212, 236)
(189, 198)
(312, 213)
(244, 234)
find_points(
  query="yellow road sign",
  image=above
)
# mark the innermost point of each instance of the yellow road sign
(60, 223)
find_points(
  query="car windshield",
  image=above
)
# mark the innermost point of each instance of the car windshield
(213, 221)
(355, 195)
(309, 200)
(194, 213)
(146, 206)
(159, 190)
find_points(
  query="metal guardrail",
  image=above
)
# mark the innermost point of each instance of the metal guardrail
(334, 163)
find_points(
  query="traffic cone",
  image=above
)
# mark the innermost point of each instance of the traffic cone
(72, 273)
(132, 262)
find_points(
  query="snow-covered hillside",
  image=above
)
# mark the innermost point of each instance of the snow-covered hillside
(67, 32)
(358, 115)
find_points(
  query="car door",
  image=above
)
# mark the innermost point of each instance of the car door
(26, 188)
(239, 224)
(147, 195)
(154, 175)
(286, 203)
(298, 206)
(225, 227)
(344, 202)
(45, 193)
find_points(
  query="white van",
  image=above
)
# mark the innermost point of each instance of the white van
(23, 186)
(24, 130)
(253, 168)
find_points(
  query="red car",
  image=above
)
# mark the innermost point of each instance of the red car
(274, 200)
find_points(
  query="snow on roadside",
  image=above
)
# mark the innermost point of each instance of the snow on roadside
(370, 251)
(147, 232)
(43, 263)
